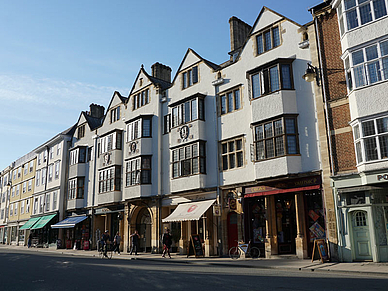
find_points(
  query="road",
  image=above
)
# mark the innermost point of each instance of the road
(25, 270)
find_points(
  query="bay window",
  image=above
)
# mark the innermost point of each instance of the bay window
(110, 142)
(189, 160)
(139, 128)
(138, 171)
(188, 110)
(109, 179)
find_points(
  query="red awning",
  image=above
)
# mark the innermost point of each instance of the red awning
(279, 191)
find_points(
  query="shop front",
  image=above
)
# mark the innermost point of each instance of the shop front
(77, 232)
(194, 218)
(42, 234)
(284, 218)
(362, 203)
(107, 218)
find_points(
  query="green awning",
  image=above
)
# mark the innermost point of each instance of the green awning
(30, 223)
(43, 221)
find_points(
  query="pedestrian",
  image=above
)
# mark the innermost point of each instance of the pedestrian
(29, 240)
(104, 242)
(116, 243)
(167, 242)
(135, 242)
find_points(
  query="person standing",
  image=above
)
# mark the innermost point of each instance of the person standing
(167, 242)
(135, 242)
(116, 243)
(29, 240)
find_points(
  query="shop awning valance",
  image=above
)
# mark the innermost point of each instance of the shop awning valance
(30, 223)
(43, 221)
(189, 211)
(280, 191)
(69, 222)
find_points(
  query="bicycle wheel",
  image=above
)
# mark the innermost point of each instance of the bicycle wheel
(254, 253)
(234, 253)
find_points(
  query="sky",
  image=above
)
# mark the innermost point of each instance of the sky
(57, 57)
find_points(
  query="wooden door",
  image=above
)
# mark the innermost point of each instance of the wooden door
(360, 233)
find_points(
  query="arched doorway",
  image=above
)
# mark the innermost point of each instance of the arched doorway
(144, 225)
(360, 236)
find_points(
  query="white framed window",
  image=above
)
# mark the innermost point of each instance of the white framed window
(41, 203)
(29, 185)
(72, 189)
(31, 166)
(11, 210)
(44, 171)
(50, 172)
(55, 200)
(109, 179)
(81, 131)
(44, 156)
(37, 178)
(356, 13)
(371, 139)
(36, 201)
(367, 66)
(230, 101)
(51, 153)
(139, 128)
(19, 172)
(57, 163)
(188, 111)
(111, 142)
(13, 191)
(24, 187)
(22, 207)
(189, 160)
(59, 146)
(76, 188)
(15, 212)
(17, 190)
(25, 169)
(14, 175)
(47, 202)
(114, 114)
(39, 158)
(28, 206)
(232, 153)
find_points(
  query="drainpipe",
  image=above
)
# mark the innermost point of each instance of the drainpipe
(216, 83)
(160, 163)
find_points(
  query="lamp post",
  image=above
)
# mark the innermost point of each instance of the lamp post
(311, 74)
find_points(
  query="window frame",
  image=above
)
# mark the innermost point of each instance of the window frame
(141, 98)
(190, 77)
(181, 158)
(261, 47)
(135, 170)
(232, 153)
(135, 129)
(180, 110)
(81, 131)
(224, 96)
(109, 180)
(115, 114)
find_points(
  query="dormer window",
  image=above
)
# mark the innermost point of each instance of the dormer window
(190, 77)
(115, 114)
(268, 40)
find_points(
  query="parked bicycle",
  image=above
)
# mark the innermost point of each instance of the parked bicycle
(105, 250)
(247, 249)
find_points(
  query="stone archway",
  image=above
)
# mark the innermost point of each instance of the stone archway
(144, 227)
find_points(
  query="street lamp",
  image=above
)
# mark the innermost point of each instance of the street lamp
(311, 74)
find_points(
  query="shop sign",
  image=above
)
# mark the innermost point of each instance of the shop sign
(217, 210)
(232, 204)
(382, 177)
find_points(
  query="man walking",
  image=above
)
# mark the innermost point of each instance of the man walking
(135, 242)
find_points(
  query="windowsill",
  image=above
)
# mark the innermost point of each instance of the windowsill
(233, 169)
(191, 121)
(264, 52)
(367, 86)
(223, 114)
(143, 184)
(372, 162)
(362, 25)
(186, 176)
(273, 92)
(294, 155)
(189, 86)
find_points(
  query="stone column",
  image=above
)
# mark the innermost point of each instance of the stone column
(300, 240)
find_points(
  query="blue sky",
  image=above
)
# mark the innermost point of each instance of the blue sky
(57, 57)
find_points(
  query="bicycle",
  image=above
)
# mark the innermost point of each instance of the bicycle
(247, 249)
(105, 248)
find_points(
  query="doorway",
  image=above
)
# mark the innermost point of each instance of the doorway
(232, 230)
(285, 223)
(360, 236)
(144, 226)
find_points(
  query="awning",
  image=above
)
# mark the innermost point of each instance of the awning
(69, 222)
(30, 223)
(189, 211)
(43, 221)
(279, 191)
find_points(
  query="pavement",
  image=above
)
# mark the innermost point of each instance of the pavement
(286, 262)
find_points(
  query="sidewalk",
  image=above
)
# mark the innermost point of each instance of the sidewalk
(291, 264)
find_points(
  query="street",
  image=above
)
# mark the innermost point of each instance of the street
(25, 270)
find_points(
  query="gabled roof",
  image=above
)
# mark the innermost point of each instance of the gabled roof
(155, 81)
(122, 98)
(210, 64)
(240, 50)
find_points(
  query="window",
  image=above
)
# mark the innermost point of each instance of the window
(17, 190)
(57, 163)
(115, 114)
(36, 205)
(81, 131)
(59, 149)
(189, 160)
(369, 65)
(22, 207)
(355, 13)
(167, 123)
(16, 209)
(41, 202)
(39, 158)
(232, 154)
(19, 172)
(139, 128)
(190, 77)
(138, 171)
(140, 99)
(28, 206)
(50, 172)
(188, 111)
(109, 180)
(268, 40)
(230, 101)
(47, 202)
(24, 187)
(270, 79)
(110, 142)
(31, 166)
(77, 155)
(25, 166)
(13, 191)
(44, 171)
(44, 156)
(276, 138)
(29, 185)
(51, 153)
(37, 178)
(55, 200)
(11, 210)
(371, 140)
(72, 189)
(14, 175)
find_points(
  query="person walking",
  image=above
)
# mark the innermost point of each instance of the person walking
(135, 242)
(29, 240)
(116, 243)
(167, 242)
(104, 242)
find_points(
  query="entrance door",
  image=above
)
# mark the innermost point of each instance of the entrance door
(361, 241)
(144, 225)
(232, 229)
(286, 223)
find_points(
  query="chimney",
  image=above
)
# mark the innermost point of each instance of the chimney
(239, 31)
(96, 110)
(161, 72)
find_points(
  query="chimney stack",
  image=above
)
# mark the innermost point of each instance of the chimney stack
(239, 31)
(161, 72)
(96, 110)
